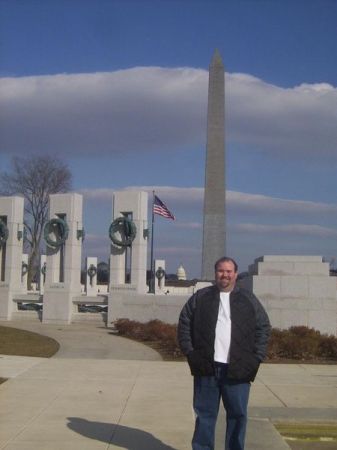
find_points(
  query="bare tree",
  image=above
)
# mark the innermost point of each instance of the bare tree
(34, 178)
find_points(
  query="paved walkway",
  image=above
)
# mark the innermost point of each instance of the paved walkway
(101, 391)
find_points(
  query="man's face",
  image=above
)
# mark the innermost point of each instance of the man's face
(225, 276)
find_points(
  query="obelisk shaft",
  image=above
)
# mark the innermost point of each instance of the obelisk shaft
(214, 227)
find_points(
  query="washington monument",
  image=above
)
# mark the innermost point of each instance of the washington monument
(214, 229)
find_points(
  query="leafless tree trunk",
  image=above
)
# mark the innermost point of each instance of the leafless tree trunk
(35, 178)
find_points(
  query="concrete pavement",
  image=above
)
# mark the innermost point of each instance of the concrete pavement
(88, 341)
(124, 397)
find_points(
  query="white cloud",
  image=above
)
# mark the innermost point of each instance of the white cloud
(100, 194)
(237, 202)
(180, 197)
(299, 119)
(153, 108)
(177, 250)
(129, 110)
(293, 230)
(243, 202)
(189, 225)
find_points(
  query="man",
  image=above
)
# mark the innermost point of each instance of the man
(223, 330)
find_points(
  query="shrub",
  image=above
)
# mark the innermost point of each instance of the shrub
(130, 328)
(163, 335)
(328, 347)
(296, 343)
(301, 343)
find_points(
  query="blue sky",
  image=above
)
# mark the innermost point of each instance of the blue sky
(118, 89)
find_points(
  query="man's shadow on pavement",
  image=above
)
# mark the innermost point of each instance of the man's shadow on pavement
(124, 437)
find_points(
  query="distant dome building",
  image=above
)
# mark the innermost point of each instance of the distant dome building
(181, 273)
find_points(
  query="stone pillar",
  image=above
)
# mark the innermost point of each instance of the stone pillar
(128, 264)
(159, 270)
(63, 275)
(42, 275)
(91, 276)
(24, 273)
(11, 214)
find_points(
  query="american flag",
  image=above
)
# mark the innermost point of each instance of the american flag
(160, 208)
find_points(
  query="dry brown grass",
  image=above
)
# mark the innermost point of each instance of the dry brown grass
(25, 343)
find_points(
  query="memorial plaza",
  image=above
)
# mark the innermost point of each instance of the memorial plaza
(102, 391)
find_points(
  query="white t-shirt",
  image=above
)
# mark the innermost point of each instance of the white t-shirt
(223, 330)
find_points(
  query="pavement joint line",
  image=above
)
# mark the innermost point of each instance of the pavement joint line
(273, 393)
(302, 366)
(125, 404)
(36, 416)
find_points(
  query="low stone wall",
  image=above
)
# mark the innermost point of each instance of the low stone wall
(295, 290)
(145, 307)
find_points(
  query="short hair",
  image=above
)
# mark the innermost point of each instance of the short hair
(226, 259)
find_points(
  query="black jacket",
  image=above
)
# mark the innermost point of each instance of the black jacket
(249, 332)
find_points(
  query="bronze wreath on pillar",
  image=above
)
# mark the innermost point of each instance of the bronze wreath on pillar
(160, 273)
(60, 229)
(92, 270)
(127, 230)
(24, 268)
(3, 232)
(44, 269)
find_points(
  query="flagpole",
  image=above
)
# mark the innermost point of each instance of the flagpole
(151, 286)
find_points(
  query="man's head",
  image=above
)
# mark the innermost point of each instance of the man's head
(226, 272)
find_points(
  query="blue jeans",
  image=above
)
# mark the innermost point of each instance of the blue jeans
(206, 399)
